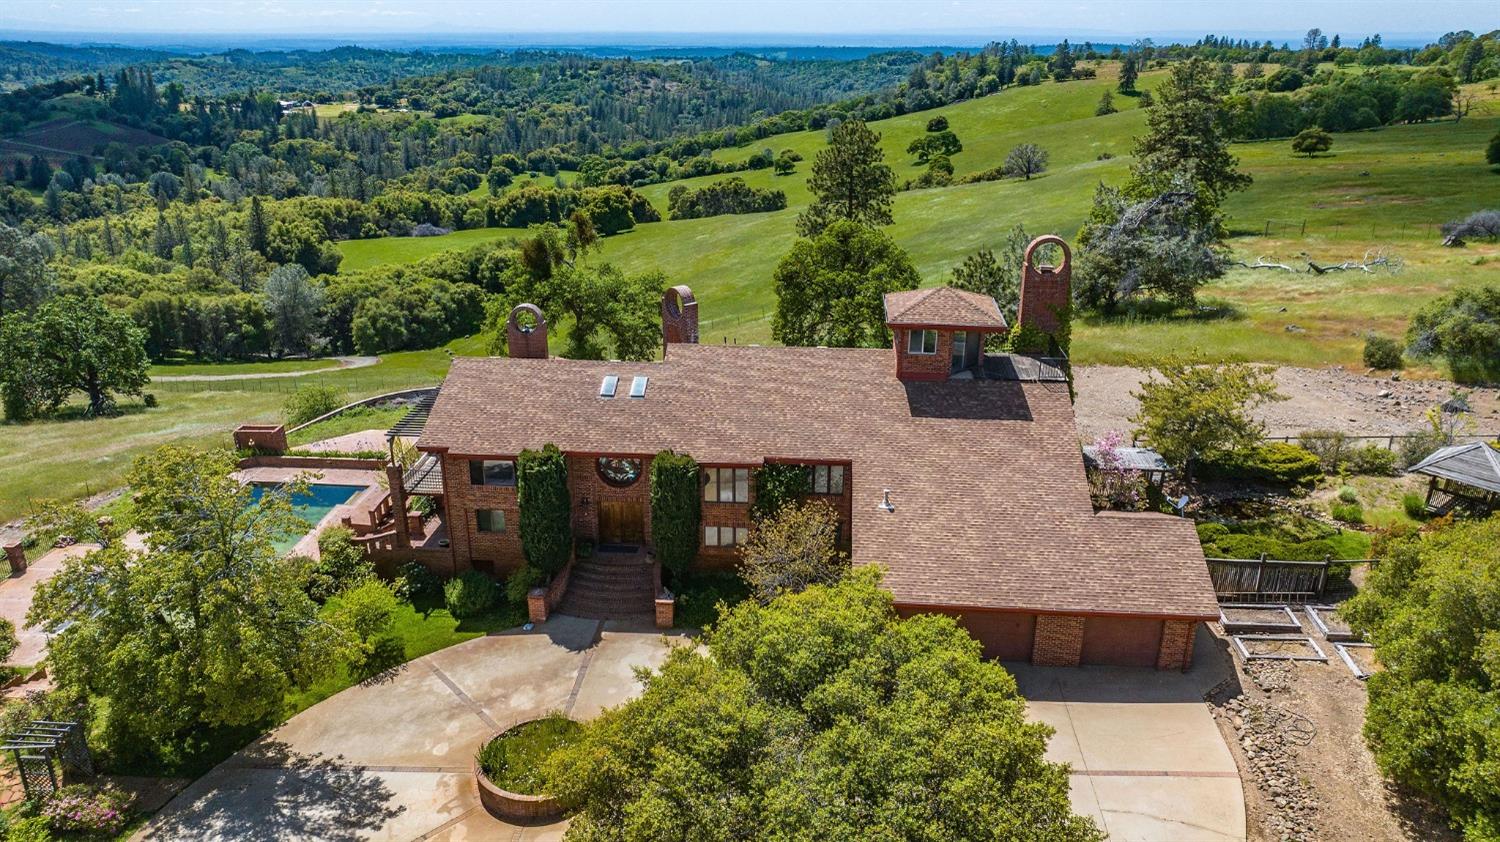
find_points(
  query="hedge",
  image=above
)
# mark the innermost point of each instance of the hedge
(1279, 463)
(546, 508)
(676, 509)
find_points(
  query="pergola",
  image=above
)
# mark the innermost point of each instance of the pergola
(1143, 459)
(1466, 475)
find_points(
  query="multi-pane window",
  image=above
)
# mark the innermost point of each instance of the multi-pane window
(921, 342)
(724, 536)
(489, 520)
(727, 485)
(827, 479)
(492, 472)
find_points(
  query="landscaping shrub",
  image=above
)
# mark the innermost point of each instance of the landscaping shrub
(546, 520)
(1328, 445)
(470, 594)
(520, 584)
(1373, 460)
(676, 509)
(310, 402)
(81, 808)
(514, 761)
(341, 564)
(703, 597)
(30, 829)
(1347, 494)
(792, 550)
(1382, 352)
(415, 583)
(1278, 462)
(1415, 505)
(1347, 512)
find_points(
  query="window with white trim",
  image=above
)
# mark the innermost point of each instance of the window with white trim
(725, 536)
(726, 485)
(921, 342)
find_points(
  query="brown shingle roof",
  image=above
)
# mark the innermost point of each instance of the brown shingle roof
(991, 504)
(943, 307)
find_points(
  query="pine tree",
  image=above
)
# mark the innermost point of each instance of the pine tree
(849, 180)
(1128, 74)
(257, 232)
(162, 241)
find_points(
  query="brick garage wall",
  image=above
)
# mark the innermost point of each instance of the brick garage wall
(923, 366)
(1058, 641)
(1121, 641)
(584, 481)
(1176, 651)
(474, 550)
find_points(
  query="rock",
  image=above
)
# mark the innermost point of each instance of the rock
(1384, 393)
(1396, 375)
(1295, 329)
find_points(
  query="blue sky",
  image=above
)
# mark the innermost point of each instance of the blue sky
(820, 21)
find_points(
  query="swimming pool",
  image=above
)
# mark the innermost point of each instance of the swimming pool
(311, 506)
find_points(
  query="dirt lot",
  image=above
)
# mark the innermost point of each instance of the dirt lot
(1294, 731)
(1326, 398)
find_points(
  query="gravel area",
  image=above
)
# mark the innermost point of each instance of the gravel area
(1330, 398)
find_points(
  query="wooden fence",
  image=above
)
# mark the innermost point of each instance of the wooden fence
(1270, 579)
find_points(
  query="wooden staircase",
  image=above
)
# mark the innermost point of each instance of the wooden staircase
(610, 585)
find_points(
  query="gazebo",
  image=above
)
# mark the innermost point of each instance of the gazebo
(1150, 463)
(1466, 475)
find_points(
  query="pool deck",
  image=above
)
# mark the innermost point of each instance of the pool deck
(361, 502)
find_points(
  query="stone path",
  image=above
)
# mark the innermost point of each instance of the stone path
(343, 363)
(391, 759)
(15, 600)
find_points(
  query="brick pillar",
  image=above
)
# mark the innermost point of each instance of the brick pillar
(536, 605)
(16, 555)
(679, 317)
(1058, 641)
(1176, 645)
(523, 341)
(665, 609)
(398, 505)
(1045, 290)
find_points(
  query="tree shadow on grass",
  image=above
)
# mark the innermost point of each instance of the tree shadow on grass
(270, 791)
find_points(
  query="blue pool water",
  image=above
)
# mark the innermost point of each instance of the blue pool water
(311, 507)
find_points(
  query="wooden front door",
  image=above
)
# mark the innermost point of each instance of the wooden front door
(621, 522)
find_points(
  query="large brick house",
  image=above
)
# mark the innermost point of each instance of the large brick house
(958, 471)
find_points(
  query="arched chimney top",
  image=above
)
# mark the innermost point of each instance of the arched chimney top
(514, 321)
(1048, 239)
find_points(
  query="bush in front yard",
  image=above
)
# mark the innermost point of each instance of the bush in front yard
(341, 564)
(470, 594)
(310, 402)
(546, 508)
(676, 509)
(415, 583)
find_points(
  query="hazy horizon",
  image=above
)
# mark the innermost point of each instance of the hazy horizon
(689, 23)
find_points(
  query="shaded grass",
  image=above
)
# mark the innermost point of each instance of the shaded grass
(350, 421)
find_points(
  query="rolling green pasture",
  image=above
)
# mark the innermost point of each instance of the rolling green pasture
(180, 368)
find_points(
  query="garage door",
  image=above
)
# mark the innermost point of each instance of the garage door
(1121, 641)
(1005, 635)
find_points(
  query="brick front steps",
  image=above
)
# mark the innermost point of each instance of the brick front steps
(610, 586)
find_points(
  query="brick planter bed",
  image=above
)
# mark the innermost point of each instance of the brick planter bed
(512, 806)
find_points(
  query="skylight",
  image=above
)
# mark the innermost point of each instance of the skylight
(607, 388)
(638, 386)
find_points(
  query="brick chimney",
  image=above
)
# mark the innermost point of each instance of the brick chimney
(527, 341)
(679, 317)
(1045, 290)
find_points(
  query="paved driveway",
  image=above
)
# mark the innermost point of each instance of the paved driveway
(1149, 763)
(390, 760)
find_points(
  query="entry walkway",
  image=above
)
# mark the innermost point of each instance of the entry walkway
(391, 759)
(1149, 763)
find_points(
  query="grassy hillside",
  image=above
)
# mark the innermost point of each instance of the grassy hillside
(1384, 188)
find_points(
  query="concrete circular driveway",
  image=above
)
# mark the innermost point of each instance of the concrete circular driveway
(390, 759)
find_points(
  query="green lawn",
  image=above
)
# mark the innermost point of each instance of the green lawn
(421, 630)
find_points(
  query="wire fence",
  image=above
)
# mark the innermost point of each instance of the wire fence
(1300, 227)
(352, 384)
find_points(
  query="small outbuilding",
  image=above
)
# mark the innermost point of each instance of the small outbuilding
(1462, 475)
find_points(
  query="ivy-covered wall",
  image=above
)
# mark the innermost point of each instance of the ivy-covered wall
(676, 509)
(546, 509)
(775, 486)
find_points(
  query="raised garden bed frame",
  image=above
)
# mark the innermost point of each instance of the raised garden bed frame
(1239, 642)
